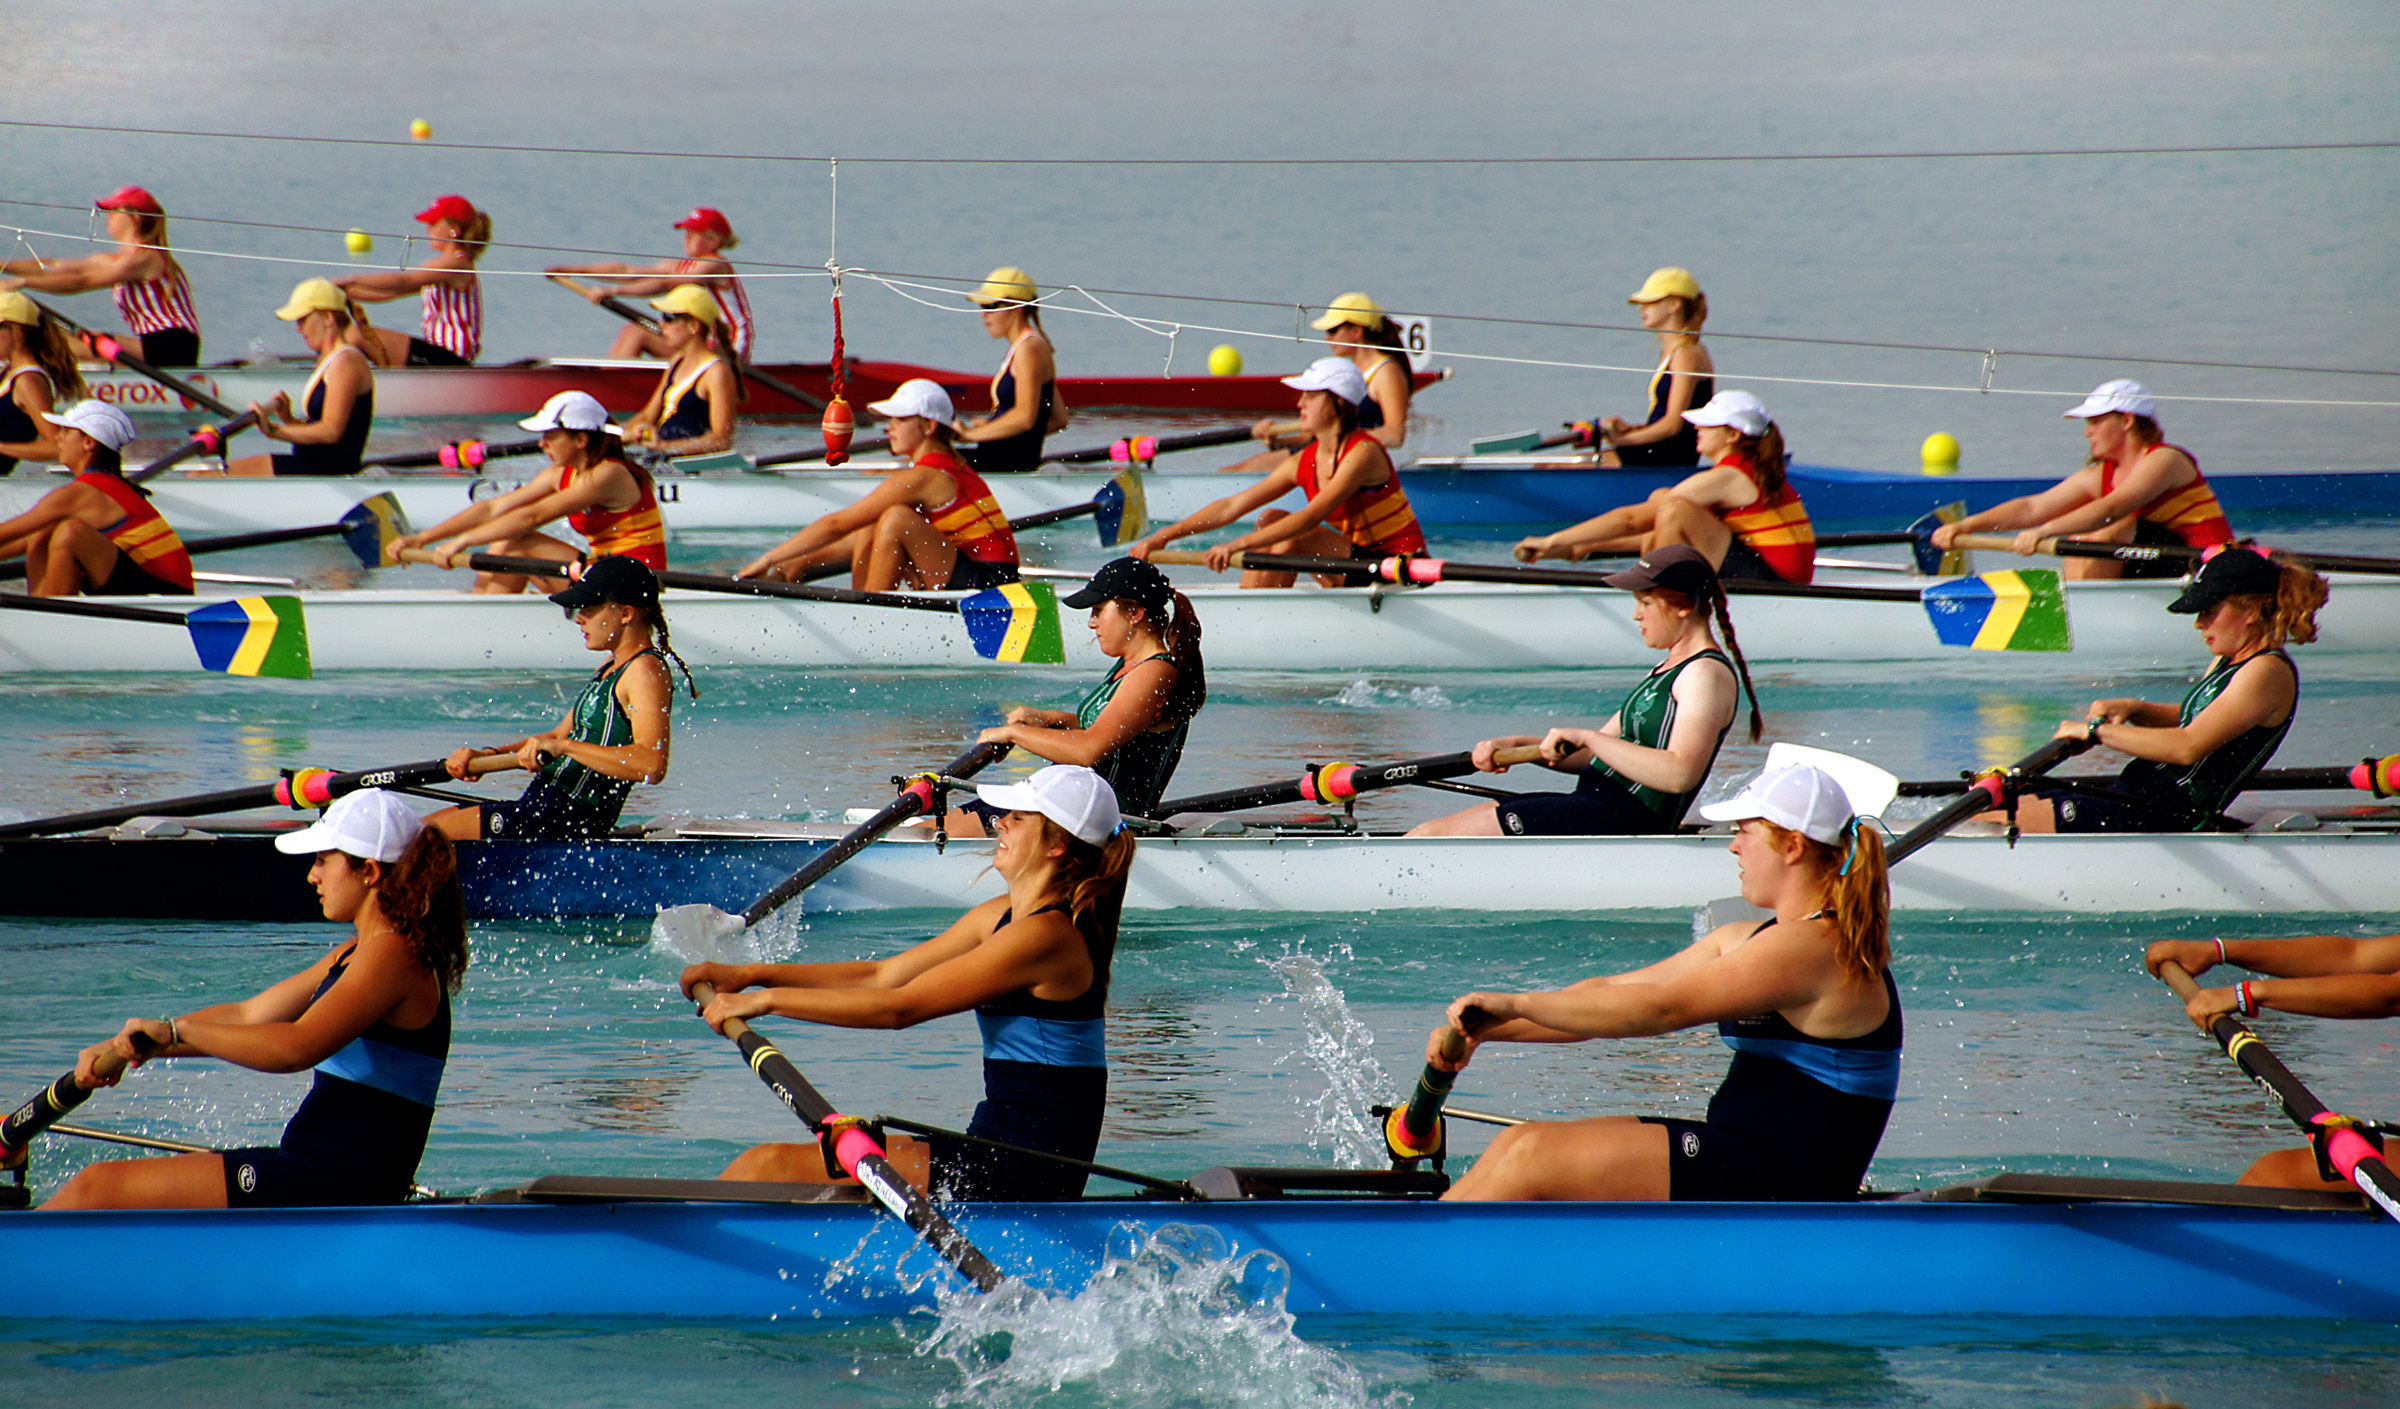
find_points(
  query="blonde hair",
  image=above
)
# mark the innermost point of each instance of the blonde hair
(2291, 614)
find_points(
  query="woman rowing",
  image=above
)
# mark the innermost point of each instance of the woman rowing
(589, 483)
(932, 525)
(152, 294)
(1356, 327)
(1130, 728)
(1673, 307)
(1638, 773)
(2135, 489)
(1742, 512)
(2189, 759)
(1356, 507)
(1010, 439)
(1805, 999)
(97, 534)
(339, 397)
(707, 234)
(616, 734)
(691, 410)
(2318, 976)
(38, 370)
(452, 332)
(1032, 966)
(372, 1017)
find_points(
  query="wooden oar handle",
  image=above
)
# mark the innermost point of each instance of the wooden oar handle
(2176, 978)
(1521, 753)
(1185, 557)
(2002, 543)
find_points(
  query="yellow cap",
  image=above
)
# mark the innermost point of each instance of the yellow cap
(1350, 308)
(1007, 284)
(1669, 282)
(16, 308)
(312, 296)
(690, 300)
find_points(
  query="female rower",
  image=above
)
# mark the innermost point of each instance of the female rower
(1130, 728)
(1742, 512)
(690, 411)
(38, 369)
(707, 234)
(602, 495)
(1033, 967)
(616, 735)
(153, 296)
(1356, 507)
(1640, 772)
(98, 533)
(2189, 759)
(453, 325)
(1805, 1000)
(2321, 976)
(339, 397)
(1356, 327)
(1010, 439)
(372, 1017)
(1674, 308)
(2134, 489)
(932, 525)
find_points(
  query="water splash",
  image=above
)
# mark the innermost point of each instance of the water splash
(1173, 1317)
(1340, 1047)
(1363, 693)
(703, 934)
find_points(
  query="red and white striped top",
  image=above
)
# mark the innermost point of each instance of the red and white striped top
(733, 306)
(159, 304)
(454, 316)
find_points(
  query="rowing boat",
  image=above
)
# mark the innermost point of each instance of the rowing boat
(1452, 626)
(2291, 859)
(623, 385)
(565, 1247)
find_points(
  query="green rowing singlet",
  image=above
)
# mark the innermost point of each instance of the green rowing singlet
(2211, 782)
(1141, 766)
(1648, 718)
(598, 719)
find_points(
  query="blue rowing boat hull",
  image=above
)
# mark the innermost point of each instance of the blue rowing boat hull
(1364, 1257)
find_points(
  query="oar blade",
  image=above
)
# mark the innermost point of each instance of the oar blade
(1932, 561)
(2023, 609)
(700, 934)
(1016, 622)
(370, 528)
(1122, 509)
(1514, 444)
(252, 636)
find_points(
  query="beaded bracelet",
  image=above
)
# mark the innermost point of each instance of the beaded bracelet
(2245, 1000)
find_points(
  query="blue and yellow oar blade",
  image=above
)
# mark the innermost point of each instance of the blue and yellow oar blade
(2024, 609)
(1932, 561)
(1122, 510)
(370, 528)
(252, 636)
(1017, 622)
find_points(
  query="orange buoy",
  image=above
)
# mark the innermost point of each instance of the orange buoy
(839, 425)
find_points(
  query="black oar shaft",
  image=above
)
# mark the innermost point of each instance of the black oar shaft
(915, 799)
(1164, 445)
(1984, 794)
(1420, 569)
(106, 611)
(798, 457)
(134, 363)
(207, 443)
(2265, 780)
(2172, 552)
(451, 456)
(316, 790)
(1338, 782)
(54, 1102)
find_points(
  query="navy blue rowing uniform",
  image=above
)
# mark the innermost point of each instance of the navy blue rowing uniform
(686, 408)
(1682, 449)
(1022, 451)
(358, 1136)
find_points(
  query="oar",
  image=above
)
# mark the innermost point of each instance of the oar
(111, 350)
(1340, 782)
(803, 457)
(298, 788)
(696, 931)
(458, 455)
(1016, 622)
(247, 636)
(56, 1100)
(634, 316)
(2336, 1136)
(1140, 448)
(1991, 790)
(366, 529)
(2024, 609)
(1121, 511)
(2380, 776)
(849, 1145)
(2150, 553)
(208, 440)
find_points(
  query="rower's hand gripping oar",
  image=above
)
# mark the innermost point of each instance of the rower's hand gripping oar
(54, 1102)
(247, 636)
(851, 1148)
(110, 350)
(299, 789)
(1416, 1131)
(2340, 1146)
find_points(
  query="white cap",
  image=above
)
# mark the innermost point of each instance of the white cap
(1799, 799)
(1073, 796)
(570, 411)
(99, 420)
(2119, 395)
(1338, 375)
(370, 824)
(1738, 409)
(918, 397)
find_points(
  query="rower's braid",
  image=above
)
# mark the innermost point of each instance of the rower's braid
(658, 621)
(1741, 667)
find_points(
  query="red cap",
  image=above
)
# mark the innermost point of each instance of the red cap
(130, 198)
(706, 218)
(456, 209)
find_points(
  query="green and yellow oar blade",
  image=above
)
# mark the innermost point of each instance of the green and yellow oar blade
(252, 636)
(2023, 609)
(1017, 622)
(369, 528)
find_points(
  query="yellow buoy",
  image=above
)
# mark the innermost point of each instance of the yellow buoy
(421, 130)
(358, 241)
(1224, 360)
(1940, 453)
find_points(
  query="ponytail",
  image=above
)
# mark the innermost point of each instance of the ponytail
(420, 899)
(477, 234)
(658, 633)
(1767, 456)
(1092, 880)
(2291, 614)
(1190, 690)
(1857, 890)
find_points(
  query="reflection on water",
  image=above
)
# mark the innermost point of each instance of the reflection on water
(1161, 1074)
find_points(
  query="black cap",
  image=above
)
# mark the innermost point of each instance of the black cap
(615, 578)
(1678, 567)
(1126, 580)
(2232, 570)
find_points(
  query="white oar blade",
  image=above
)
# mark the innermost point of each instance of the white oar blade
(700, 934)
